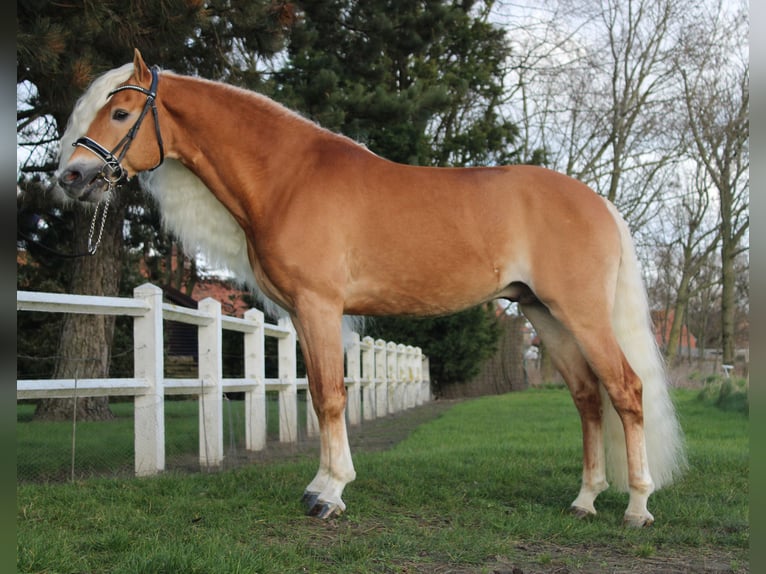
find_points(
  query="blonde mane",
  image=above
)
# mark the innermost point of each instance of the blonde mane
(87, 106)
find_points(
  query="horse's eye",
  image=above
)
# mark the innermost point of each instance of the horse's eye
(120, 115)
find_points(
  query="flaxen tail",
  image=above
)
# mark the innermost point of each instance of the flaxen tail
(633, 328)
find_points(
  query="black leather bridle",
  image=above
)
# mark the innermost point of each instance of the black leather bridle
(112, 172)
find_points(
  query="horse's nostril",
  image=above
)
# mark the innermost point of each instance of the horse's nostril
(70, 176)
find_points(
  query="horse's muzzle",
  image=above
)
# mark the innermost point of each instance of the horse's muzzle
(83, 183)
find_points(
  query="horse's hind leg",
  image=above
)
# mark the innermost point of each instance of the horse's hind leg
(592, 330)
(319, 333)
(583, 385)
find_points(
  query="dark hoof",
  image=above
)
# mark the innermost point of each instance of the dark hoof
(580, 513)
(324, 510)
(309, 500)
(638, 521)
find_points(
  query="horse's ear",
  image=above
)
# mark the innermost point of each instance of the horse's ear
(140, 69)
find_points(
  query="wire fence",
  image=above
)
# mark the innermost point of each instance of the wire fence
(55, 451)
(74, 448)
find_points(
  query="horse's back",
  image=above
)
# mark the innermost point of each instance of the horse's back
(434, 240)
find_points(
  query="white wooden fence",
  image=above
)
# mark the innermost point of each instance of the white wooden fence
(381, 377)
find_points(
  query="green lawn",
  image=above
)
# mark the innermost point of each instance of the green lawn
(482, 488)
(44, 449)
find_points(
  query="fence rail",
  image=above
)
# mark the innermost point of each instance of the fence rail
(381, 377)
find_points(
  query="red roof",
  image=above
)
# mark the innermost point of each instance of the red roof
(663, 322)
(231, 299)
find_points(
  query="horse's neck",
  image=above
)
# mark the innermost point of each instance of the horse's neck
(232, 140)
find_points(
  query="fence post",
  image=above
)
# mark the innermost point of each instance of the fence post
(353, 368)
(312, 422)
(288, 394)
(392, 374)
(420, 394)
(409, 376)
(255, 370)
(402, 376)
(148, 364)
(368, 376)
(425, 366)
(211, 392)
(381, 379)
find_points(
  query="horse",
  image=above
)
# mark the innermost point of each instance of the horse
(326, 228)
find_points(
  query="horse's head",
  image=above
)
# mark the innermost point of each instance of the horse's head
(119, 142)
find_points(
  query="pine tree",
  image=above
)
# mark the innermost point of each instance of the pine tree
(417, 82)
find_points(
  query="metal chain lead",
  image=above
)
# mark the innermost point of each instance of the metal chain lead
(92, 248)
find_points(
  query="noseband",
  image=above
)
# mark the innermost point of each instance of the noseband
(112, 172)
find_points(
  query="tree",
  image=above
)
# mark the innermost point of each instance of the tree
(591, 86)
(60, 50)
(417, 82)
(692, 240)
(714, 68)
(647, 102)
(37, 268)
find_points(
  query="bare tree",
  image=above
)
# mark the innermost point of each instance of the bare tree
(594, 90)
(704, 306)
(714, 68)
(692, 239)
(647, 102)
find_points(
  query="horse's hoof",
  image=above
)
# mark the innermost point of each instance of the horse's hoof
(638, 521)
(309, 499)
(581, 513)
(324, 510)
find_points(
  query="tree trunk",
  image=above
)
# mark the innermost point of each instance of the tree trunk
(84, 348)
(728, 303)
(548, 372)
(679, 314)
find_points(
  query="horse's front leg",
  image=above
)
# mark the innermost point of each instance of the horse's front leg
(319, 333)
(322, 496)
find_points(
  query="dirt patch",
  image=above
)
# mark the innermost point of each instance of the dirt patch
(369, 436)
(542, 558)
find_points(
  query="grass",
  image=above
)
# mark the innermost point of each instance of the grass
(44, 449)
(729, 394)
(481, 488)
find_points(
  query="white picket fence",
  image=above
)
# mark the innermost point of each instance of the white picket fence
(381, 377)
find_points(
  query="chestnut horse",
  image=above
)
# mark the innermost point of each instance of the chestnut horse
(326, 228)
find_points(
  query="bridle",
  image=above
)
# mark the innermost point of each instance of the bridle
(112, 172)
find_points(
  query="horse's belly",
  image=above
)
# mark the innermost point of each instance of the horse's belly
(422, 295)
